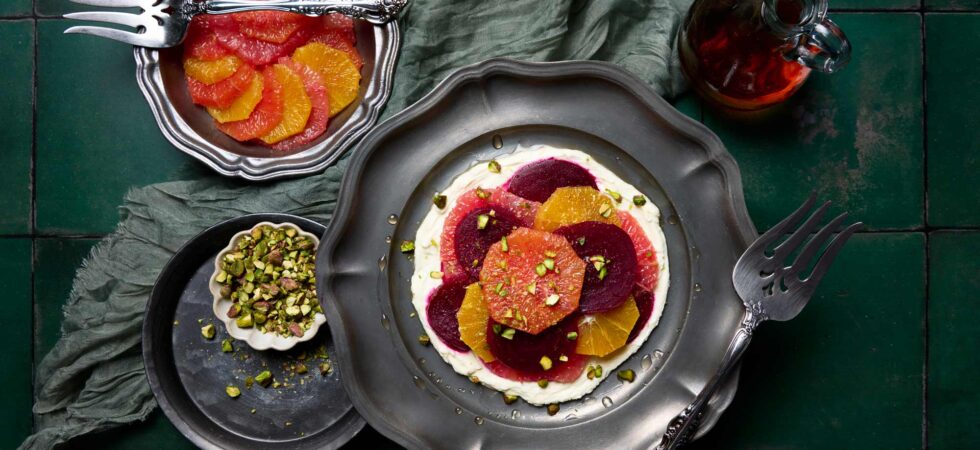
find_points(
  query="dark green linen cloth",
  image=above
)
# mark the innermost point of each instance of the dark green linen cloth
(94, 379)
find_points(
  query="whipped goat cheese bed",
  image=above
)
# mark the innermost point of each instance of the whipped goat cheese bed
(427, 261)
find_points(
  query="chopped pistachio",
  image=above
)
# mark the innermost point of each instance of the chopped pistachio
(208, 331)
(552, 300)
(435, 274)
(545, 363)
(508, 333)
(503, 244)
(474, 379)
(626, 375)
(550, 254)
(439, 200)
(249, 381)
(496, 328)
(233, 391)
(572, 335)
(493, 166)
(602, 273)
(563, 358)
(549, 263)
(509, 398)
(482, 193)
(533, 287)
(252, 411)
(325, 368)
(541, 270)
(590, 372)
(605, 210)
(542, 383)
(300, 368)
(553, 409)
(226, 346)
(407, 247)
(615, 195)
(639, 200)
(581, 240)
(264, 378)
(424, 339)
(598, 371)
(481, 221)
(244, 321)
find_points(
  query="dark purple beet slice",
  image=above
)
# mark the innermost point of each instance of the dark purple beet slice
(538, 180)
(472, 243)
(524, 351)
(442, 308)
(644, 302)
(590, 239)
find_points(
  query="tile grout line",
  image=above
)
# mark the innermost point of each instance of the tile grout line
(925, 220)
(33, 211)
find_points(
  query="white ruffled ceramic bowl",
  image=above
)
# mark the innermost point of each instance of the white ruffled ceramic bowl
(252, 336)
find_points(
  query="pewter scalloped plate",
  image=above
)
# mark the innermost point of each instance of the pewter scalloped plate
(406, 390)
(187, 126)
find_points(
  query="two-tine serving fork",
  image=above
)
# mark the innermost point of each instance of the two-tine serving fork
(163, 23)
(770, 290)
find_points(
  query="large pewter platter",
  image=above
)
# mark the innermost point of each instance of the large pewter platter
(404, 389)
(189, 127)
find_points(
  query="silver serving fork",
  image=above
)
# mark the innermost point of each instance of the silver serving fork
(770, 290)
(163, 23)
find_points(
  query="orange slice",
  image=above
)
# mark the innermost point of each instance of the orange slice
(243, 105)
(473, 317)
(296, 105)
(532, 283)
(571, 205)
(603, 333)
(210, 72)
(340, 76)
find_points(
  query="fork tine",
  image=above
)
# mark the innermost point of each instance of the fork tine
(801, 233)
(110, 3)
(131, 20)
(786, 224)
(811, 248)
(112, 33)
(820, 269)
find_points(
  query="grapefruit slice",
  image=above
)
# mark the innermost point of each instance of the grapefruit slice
(532, 283)
(646, 257)
(603, 333)
(473, 317)
(526, 352)
(441, 311)
(320, 114)
(201, 43)
(571, 205)
(611, 270)
(265, 117)
(339, 24)
(340, 76)
(497, 199)
(271, 26)
(538, 180)
(243, 106)
(258, 52)
(223, 93)
(296, 106)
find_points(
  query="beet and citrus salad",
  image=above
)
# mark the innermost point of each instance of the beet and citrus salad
(539, 273)
(274, 78)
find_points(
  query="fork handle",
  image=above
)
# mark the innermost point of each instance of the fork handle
(374, 11)
(683, 426)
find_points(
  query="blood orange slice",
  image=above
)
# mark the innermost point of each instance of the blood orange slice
(320, 114)
(473, 317)
(532, 280)
(603, 333)
(563, 372)
(223, 93)
(571, 205)
(538, 180)
(532, 354)
(441, 311)
(646, 257)
(266, 115)
(271, 26)
(611, 270)
(497, 199)
(296, 106)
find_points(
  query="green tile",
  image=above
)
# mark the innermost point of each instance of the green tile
(57, 8)
(15, 342)
(952, 5)
(689, 104)
(847, 372)
(854, 137)
(56, 261)
(954, 364)
(16, 113)
(872, 4)
(153, 434)
(96, 137)
(953, 90)
(15, 8)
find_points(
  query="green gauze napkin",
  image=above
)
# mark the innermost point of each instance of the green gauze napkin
(93, 379)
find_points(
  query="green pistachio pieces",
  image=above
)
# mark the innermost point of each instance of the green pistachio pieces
(552, 300)
(553, 409)
(439, 200)
(264, 378)
(572, 335)
(481, 221)
(226, 346)
(208, 331)
(270, 278)
(233, 391)
(639, 200)
(545, 363)
(509, 398)
(425, 340)
(407, 247)
(615, 195)
(542, 383)
(493, 166)
(626, 375)
(508, 333)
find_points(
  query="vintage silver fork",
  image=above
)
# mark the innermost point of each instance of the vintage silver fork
(770, 290)
(163, 23)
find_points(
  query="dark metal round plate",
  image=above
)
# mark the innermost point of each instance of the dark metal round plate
(188, 374)
(406, 390)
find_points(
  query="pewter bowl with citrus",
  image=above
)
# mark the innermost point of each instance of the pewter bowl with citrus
(264, 286)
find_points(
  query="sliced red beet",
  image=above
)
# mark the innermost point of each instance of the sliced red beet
(644, 302)
(538, 180)
(597, 239)
(443, 305)
(473, 242)
(563, 372)
(523, 352)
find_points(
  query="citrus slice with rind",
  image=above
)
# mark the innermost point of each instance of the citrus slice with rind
(473, 317)
(243, 106)
(648, 268)
(319, 115)
(223, 93)
(603, 333)
(265, 117)
(210, 72)
(296, 105)
(571, 205)
(533, 282)
(271, 26)
(338, 40)
(340, 76)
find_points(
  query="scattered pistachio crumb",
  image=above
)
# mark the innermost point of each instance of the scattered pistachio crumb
(233, 391)
(325, 368)
(208, 331)
(509, 398)
(626, 375)
(598, 371)
(439, 200)
(553, 409)
(264, 378)
(503, 244)
(590, 372)
(493, 166)
(474, 379)
(605, 210)
(552, 300)
(540, 269)
(481, 221)
(424, 339)
(639, 200)
(407, 247)
(615, 195)
(549, 263)
(252, 411)
(545, 363)
(572, 335)
(435, 274)
(563, 358)
(508, 333)
(226, 346)
(542, 383)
